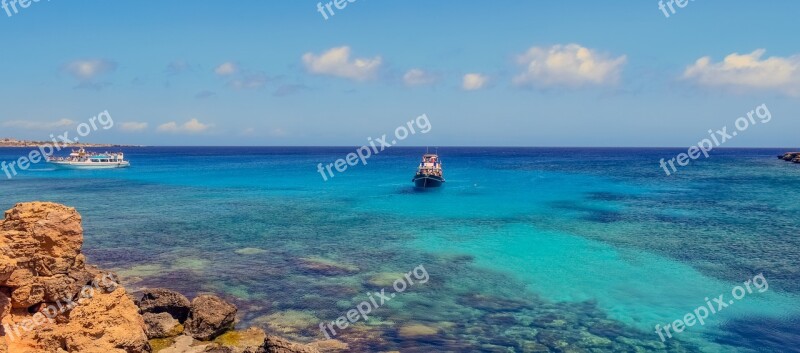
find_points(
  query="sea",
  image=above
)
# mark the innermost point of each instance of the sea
(524, 249)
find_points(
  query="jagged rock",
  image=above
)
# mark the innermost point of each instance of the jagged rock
(5, 305)
(105, 322)
(109, 320)
(42, 242)
(47, 235)
(27, 296)
(209, 317)
(59, 286)
(161, 325)
(161, 300)
(7, 264)
(40, 259)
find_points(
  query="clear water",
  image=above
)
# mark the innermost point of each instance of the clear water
(528, 249)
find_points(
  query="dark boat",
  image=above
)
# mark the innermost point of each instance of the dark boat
(429, 173)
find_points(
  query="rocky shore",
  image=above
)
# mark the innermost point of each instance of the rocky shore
(9, 142)
(791, 157)
(52, 301)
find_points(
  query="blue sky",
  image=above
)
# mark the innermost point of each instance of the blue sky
(517, 73)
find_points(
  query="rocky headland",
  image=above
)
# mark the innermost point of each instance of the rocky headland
(791, 157)
(52, 301)
(9, 142)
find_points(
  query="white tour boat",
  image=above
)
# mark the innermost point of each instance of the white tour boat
(81, 159)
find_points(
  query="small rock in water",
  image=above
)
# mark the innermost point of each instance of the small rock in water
(327, 267)
(274, 344)
(417, 330)
(161, 325)
(385, 279)
(159, 300)
(210, 317)
(242, 341)
(330, 345)
(288, 322)
(250, 251)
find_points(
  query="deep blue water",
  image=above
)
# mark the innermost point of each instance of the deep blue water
(528, 249)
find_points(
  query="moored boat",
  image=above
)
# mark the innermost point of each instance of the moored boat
(429, 173)
(81, 159)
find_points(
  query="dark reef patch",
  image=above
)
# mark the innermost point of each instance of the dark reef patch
(763, 335)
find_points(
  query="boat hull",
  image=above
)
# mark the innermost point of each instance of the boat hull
(428, 181)
(90, 165)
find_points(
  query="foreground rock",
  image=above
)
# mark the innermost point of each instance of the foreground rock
(52, 302)
(165, 301)
(161, 325)
(209, 328)
(210, 317)
(105, 323)
(248, 341)
(252, 340)
(274, 344)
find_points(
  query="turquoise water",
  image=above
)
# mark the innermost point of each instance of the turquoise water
(561, 250)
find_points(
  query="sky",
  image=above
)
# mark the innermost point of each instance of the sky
(500, 73)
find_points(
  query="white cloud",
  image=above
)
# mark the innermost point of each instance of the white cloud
(568, 65)
(88, 69)
(474, 81)
(39, 125)
(337, 62)
(226, 68)
(748, 71)
(133, 126)
(239, 78)
(418, 77)
(192, 126)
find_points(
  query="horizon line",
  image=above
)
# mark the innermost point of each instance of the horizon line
(401, 147)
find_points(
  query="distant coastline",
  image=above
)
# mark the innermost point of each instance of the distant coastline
(9, 142)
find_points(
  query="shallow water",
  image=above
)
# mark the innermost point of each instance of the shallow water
(527, 250)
